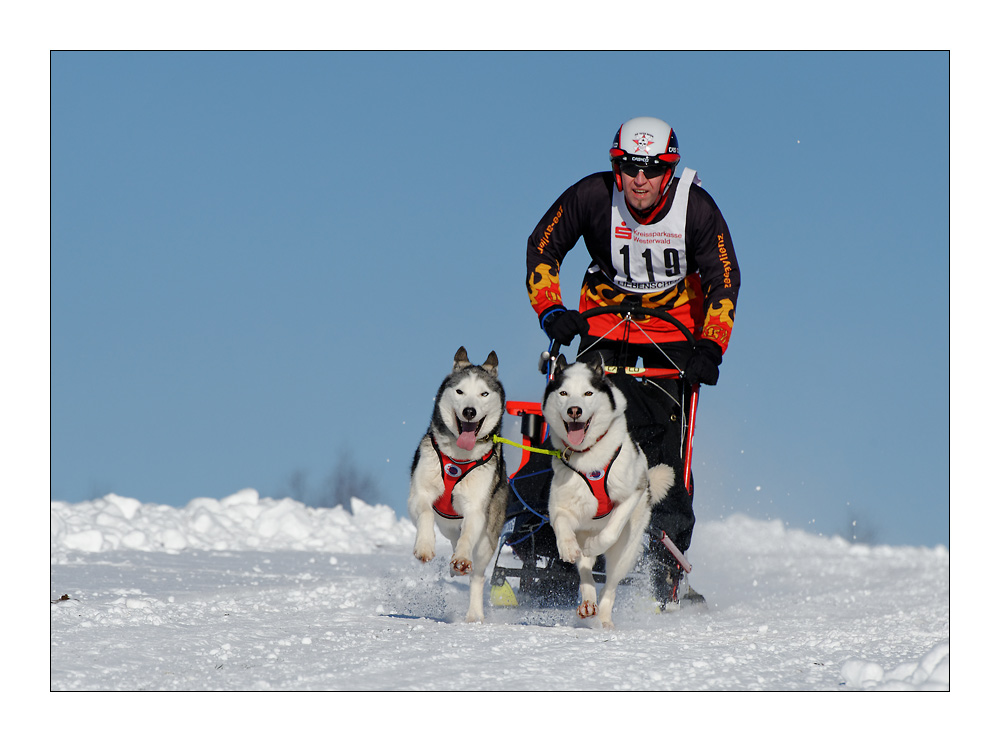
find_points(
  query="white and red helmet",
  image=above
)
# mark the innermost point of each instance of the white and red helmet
(647, 144)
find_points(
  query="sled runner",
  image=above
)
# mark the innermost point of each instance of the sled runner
(528, 558)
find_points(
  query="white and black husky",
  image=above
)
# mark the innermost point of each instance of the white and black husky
(458, 479)
(602, 490)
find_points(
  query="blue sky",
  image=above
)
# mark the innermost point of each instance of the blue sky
(263, 262)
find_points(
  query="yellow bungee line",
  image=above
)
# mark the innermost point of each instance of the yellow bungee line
(498, 439)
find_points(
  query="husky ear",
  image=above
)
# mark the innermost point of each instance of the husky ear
(461, 359)
(561, 364)
(597, 364)
(491, 363)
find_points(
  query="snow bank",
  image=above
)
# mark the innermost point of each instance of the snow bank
(241, 522)
(787, 609)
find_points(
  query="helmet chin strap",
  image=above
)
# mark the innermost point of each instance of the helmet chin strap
(647, 215)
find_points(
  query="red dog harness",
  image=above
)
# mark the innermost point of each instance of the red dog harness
(597, 480)
(452, 472)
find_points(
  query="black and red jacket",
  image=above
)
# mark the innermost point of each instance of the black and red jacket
(705, 301)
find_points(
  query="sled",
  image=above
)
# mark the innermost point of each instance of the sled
(527, 566)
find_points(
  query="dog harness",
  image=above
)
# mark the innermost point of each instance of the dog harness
(597, 480)
(452, 472)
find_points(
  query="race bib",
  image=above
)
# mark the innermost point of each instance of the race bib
(650, 257)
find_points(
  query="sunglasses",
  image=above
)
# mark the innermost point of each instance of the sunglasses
(652, 171)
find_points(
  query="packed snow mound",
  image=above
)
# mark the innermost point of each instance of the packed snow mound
(241, 522)
(932, 672)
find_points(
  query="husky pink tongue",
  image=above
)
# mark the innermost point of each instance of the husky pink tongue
(467, 438)
(575, 433)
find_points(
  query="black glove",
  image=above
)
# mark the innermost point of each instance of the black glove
(703, 365)
(562, 325)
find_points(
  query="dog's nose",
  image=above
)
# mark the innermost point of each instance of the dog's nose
(469, 413)
(574, 412)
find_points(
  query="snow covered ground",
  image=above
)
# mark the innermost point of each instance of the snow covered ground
(246, 593)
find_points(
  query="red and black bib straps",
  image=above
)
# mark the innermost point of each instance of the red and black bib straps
(452, 472)
(597, 480)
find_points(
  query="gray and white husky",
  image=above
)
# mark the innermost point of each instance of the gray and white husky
(458, 479)
(602, 489)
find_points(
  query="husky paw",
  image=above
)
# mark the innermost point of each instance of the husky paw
(587, 609)
(460, 566)
(569, 550)
(474, 617)
(424, 555)
(607, 624)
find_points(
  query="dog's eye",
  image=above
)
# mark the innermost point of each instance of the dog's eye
(563, 394)
(588, 394)
(485, 394)
(459, 392)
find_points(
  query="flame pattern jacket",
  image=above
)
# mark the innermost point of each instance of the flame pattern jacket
(700, 284)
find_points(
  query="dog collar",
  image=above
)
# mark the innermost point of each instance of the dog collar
(569, 450)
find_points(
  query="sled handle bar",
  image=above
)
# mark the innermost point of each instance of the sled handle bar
(627, 312)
